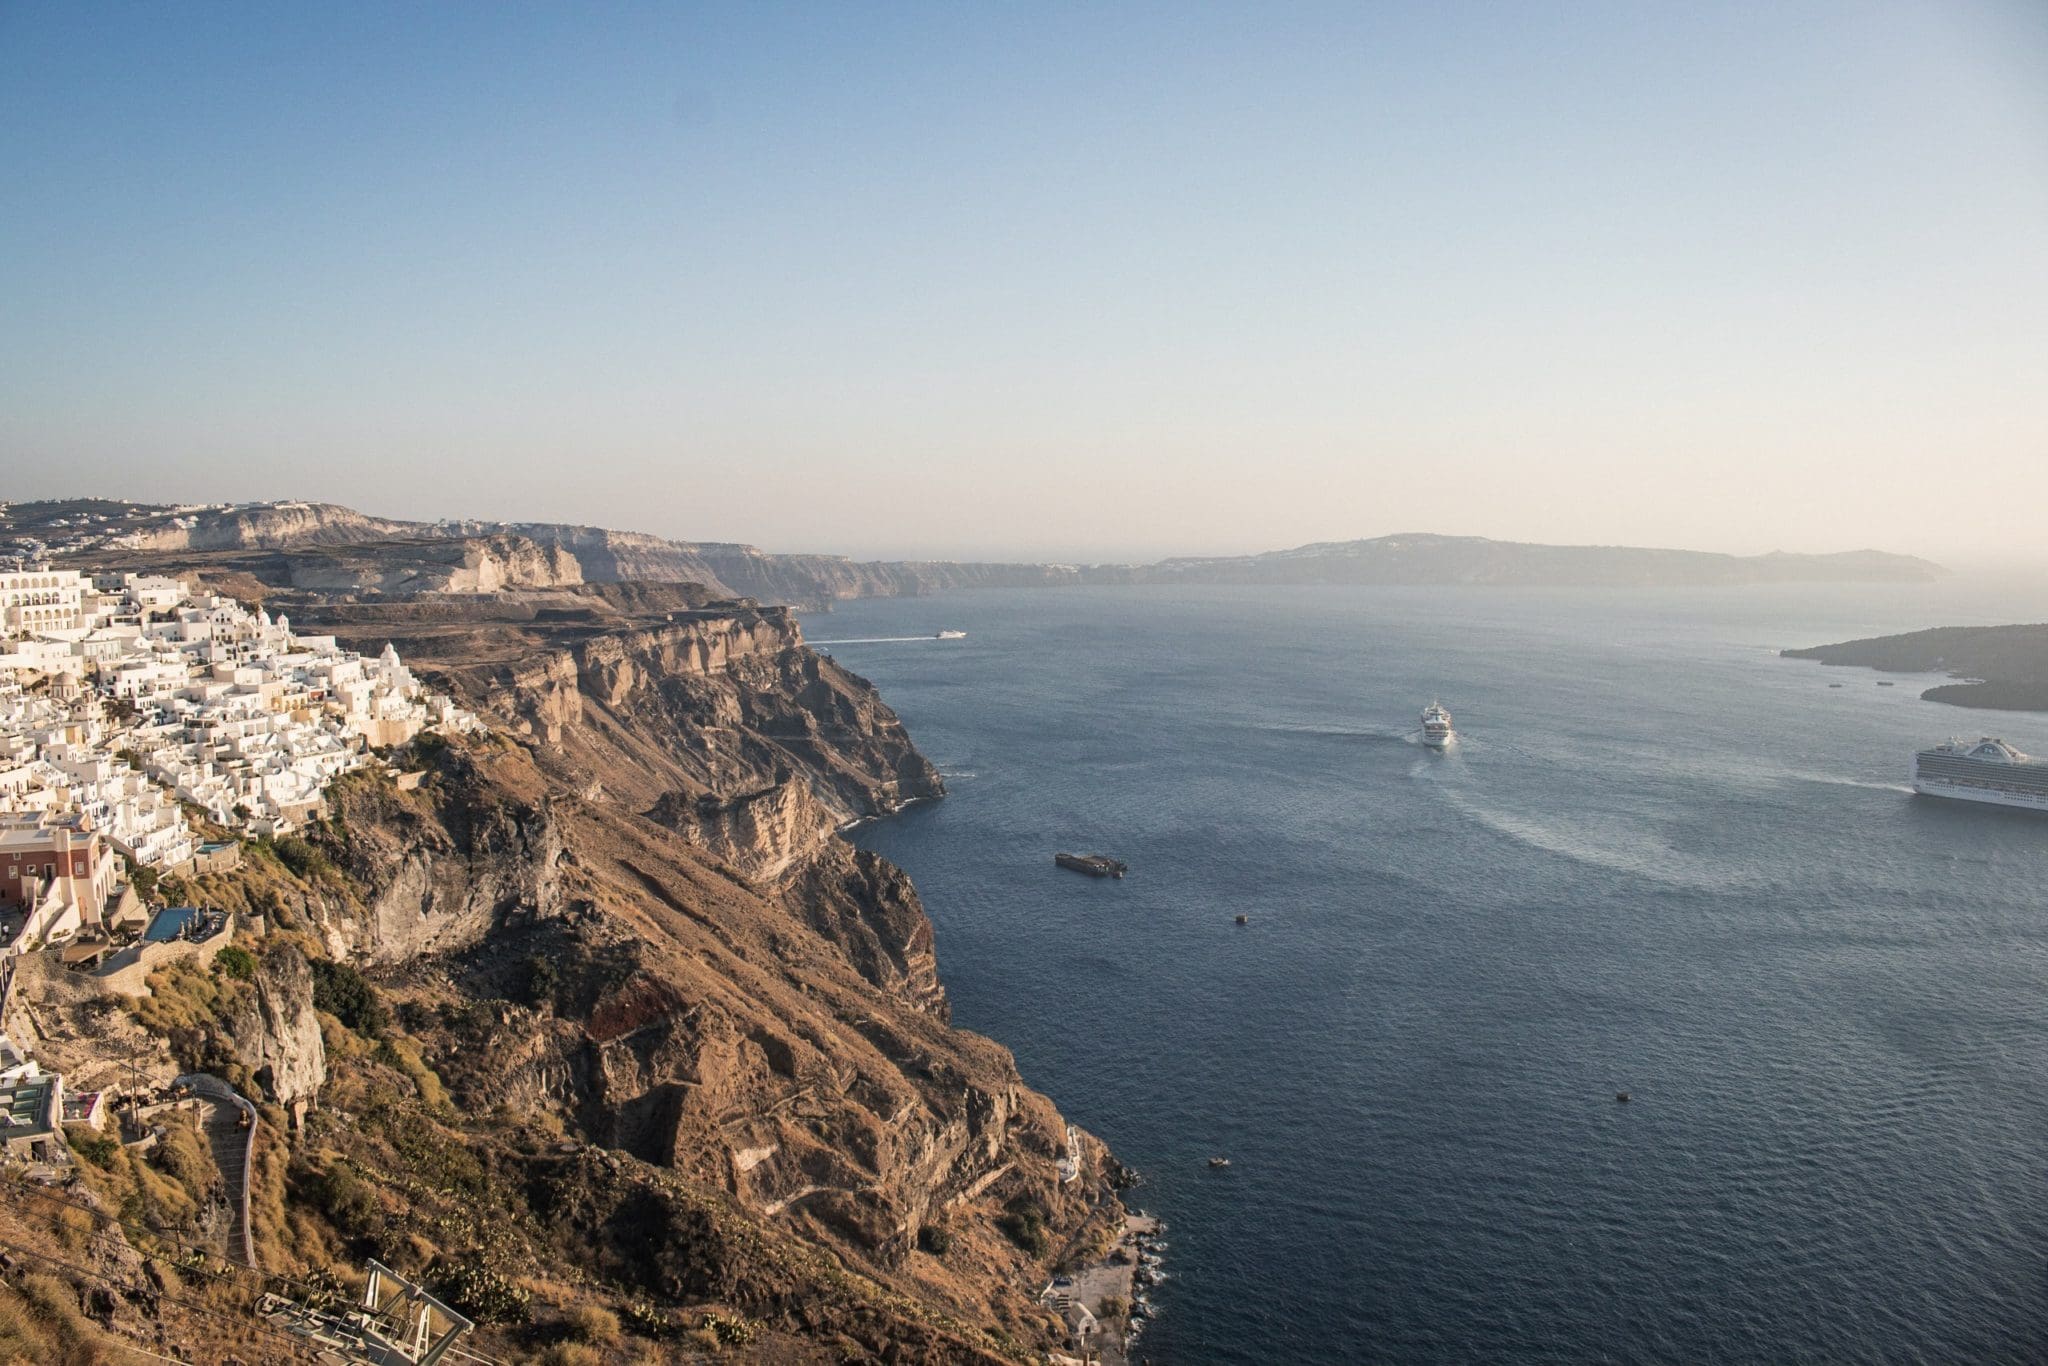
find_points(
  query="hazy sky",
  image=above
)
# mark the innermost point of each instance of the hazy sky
(1101, 280)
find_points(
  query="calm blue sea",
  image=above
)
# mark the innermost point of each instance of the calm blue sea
(1663, 860)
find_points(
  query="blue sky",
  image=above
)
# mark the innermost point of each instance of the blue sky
(1072, 281)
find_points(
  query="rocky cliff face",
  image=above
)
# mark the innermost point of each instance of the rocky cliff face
(266, 526)
(639, 1010)
(632, 556)
(275, 1032)
(722, 702)
(445, 865)
(694, 969)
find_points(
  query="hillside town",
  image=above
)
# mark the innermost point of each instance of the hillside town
(129, 703)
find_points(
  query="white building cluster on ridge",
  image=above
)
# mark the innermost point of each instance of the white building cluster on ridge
(124, 696)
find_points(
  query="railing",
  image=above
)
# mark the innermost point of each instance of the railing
(214, 1088)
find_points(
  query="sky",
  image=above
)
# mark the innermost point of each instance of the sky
(1093, 281)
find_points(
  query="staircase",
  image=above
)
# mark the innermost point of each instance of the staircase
(234, 1150)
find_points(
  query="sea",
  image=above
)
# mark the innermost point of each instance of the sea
(1661, 859)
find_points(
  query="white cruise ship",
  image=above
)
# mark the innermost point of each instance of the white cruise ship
(1436, 727)
(1984, 770)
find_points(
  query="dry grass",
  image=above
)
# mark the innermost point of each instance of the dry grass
(40, 1325)
(163, 1189)
(593, 1323)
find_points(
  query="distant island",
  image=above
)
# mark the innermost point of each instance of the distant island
(257, 548)
(1431, 559)
(2003, 668)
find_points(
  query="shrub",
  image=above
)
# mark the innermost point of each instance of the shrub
(542, 976)
(650, 1322)
(347, 1200)
(594, 1323)
(729, 1329)
(934, 1240)
(182, 1154)
(102, 1150)
(486, 1294)
(1024, 1221)
(345, 994)
(304, 858)
(143, 880)
(239, 964)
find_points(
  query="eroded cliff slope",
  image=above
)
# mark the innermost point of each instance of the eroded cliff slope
(612, 1014)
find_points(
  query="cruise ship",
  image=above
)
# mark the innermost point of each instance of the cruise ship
(1436, 727)
(1984, 770)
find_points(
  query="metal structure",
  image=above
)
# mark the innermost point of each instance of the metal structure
(390, 1297)
(397, 1324)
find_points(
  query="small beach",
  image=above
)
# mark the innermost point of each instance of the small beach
(1115, 1282)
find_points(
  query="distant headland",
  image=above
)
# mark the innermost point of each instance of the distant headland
(2002, 668)
(290, 545)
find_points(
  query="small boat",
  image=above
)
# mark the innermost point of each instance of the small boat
(1834, 685)
(1621, 1096)
(1244, 920)
(1219, 1161)
(1094, 865)
(950, 635)
(1882, 683)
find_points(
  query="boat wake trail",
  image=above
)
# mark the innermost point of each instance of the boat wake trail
(872, 640)
(1336, 733)
(1633, 850)
(1835, 780)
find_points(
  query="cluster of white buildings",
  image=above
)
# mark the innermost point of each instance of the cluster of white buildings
(124, 697)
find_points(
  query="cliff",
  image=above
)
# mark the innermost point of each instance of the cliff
(612, 1015)
(334, 550)
(263, 526)
(2005, 667)
(276, 1033)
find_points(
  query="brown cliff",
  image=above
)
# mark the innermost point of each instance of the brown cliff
(626, 919)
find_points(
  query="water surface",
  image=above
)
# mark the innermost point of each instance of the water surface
(1661, 860)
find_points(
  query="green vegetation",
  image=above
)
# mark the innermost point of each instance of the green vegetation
(542, 977)
(237, 963)
(1024, 1221)
(349, 1202)
(347, 995)
(102, 1150)
(730, 1329)
(143, 880)
(305, 858)
(483, 1292)
(163, 1189)
(185, 1006)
